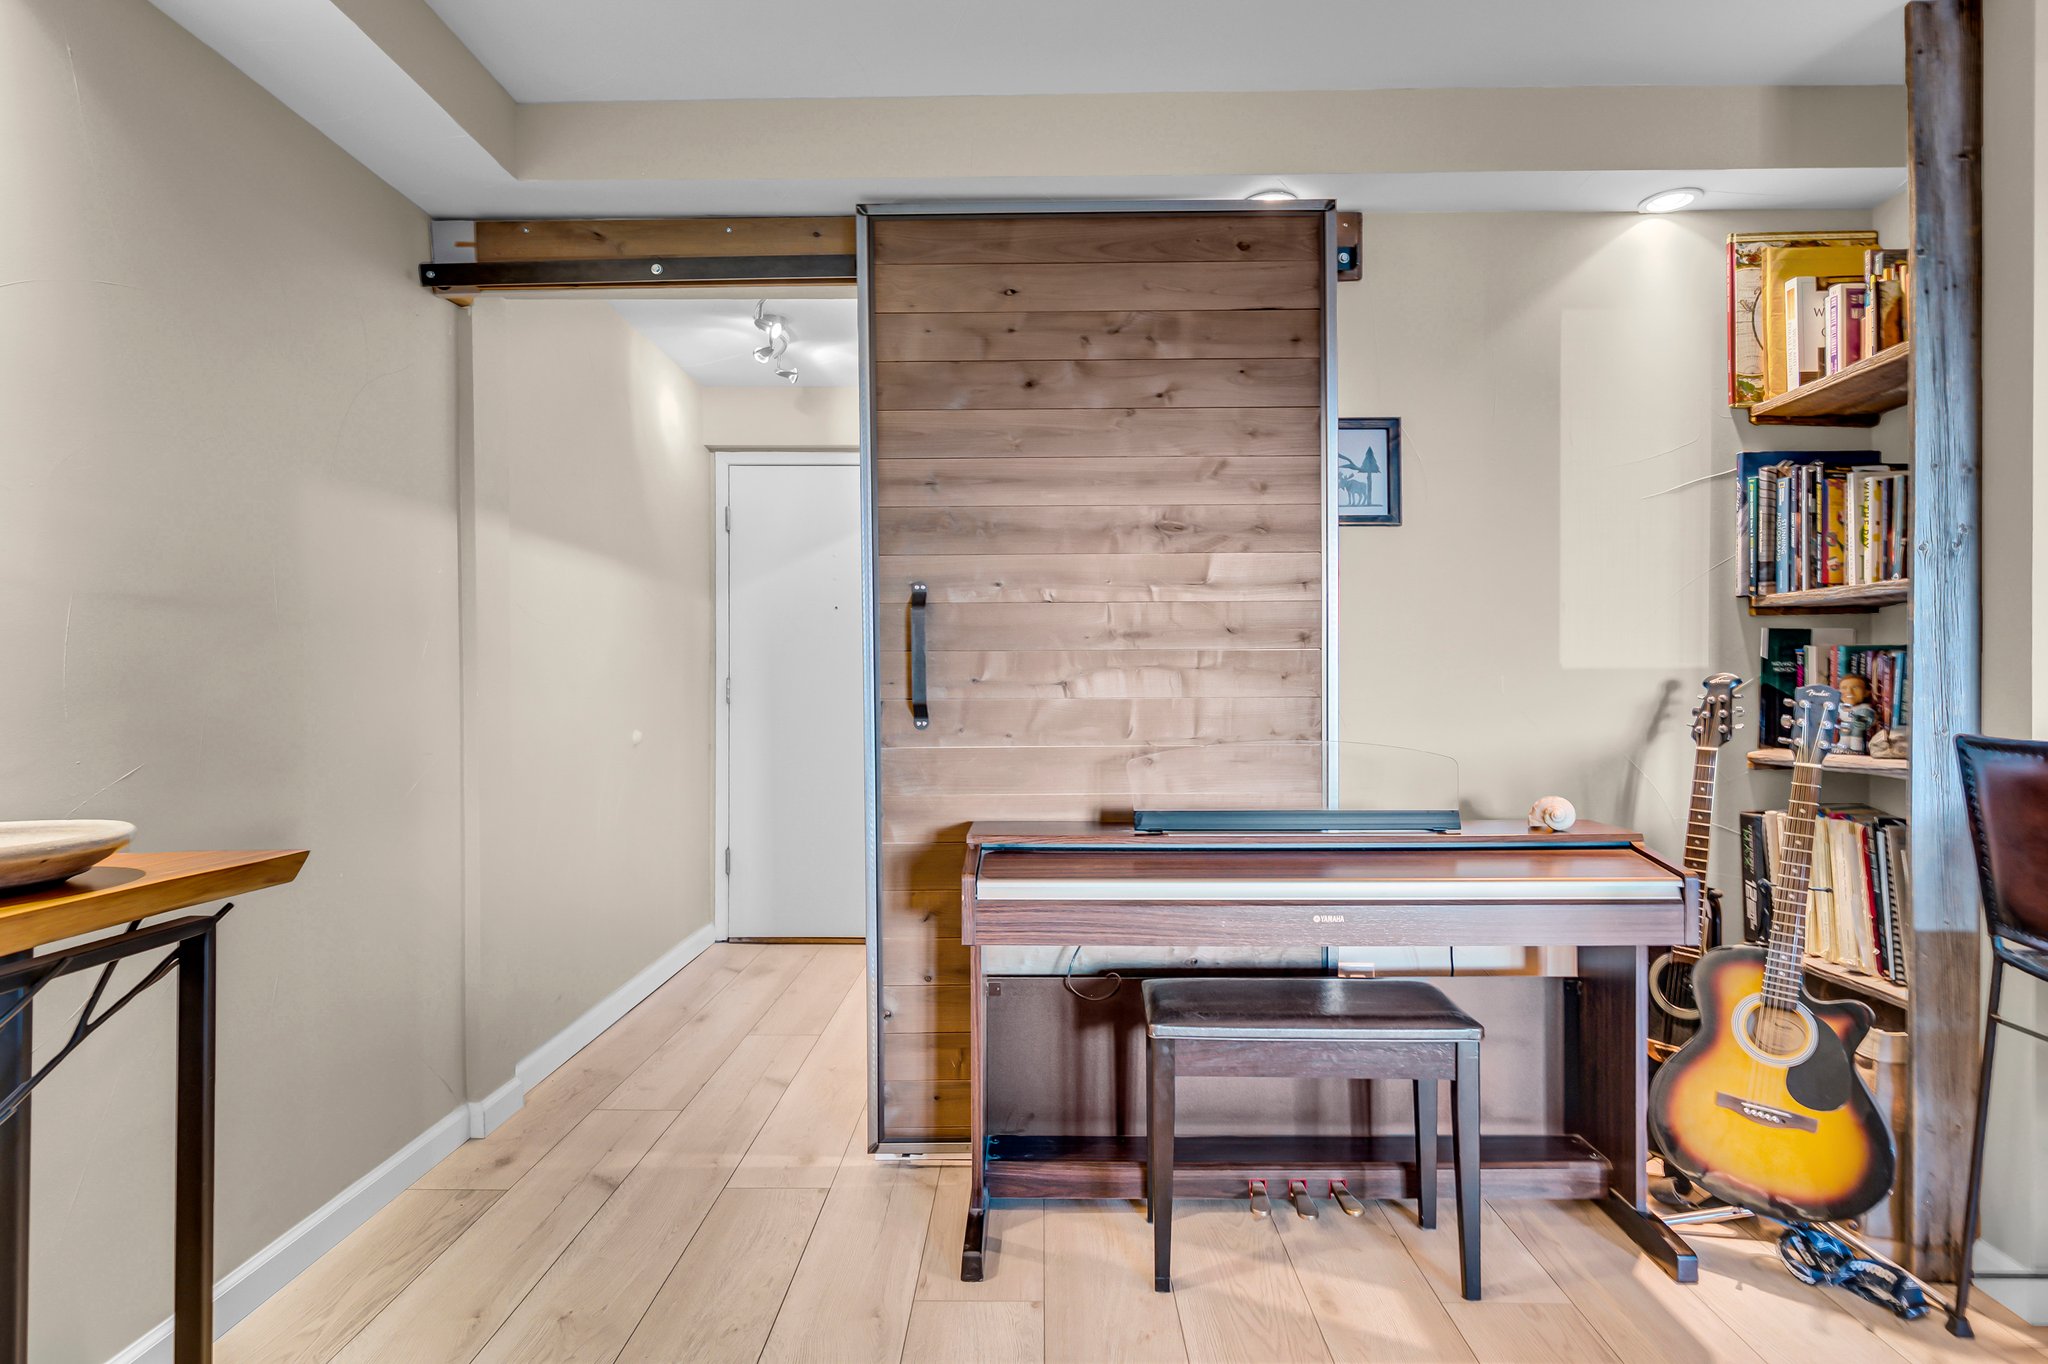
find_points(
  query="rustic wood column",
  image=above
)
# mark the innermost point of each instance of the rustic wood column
(1944, 79)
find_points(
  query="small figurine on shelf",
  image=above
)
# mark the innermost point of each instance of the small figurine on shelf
(1859, 717)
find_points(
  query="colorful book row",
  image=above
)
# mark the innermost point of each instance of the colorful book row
(1859, 886)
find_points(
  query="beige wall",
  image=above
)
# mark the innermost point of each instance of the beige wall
(781, 418)
(591, 676)
(227, 587)
(1566, 552)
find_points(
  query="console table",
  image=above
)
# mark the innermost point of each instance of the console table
(122, 892)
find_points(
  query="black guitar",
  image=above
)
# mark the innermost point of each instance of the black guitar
(1674, 1013)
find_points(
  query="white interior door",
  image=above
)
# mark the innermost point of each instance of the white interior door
(795, 774)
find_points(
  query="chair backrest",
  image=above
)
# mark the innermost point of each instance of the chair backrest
(2005, 785)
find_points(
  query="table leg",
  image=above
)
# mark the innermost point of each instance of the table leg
(977, 1054)
(16, 1061)
(192, 1329)
(1607, 1092)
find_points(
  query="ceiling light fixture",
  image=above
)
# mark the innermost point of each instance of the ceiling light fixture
(1272, 196)
(1668, 200)
(777, 330)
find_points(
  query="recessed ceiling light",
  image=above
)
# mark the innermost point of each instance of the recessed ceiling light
(1271, 196)
(1668, 200)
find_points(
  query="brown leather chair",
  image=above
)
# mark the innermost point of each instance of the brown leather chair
(2005, 787)
(1301, 1026)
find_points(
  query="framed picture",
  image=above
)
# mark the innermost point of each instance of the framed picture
(1368, 471)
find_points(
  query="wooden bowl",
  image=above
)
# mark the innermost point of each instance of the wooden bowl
(34, 851)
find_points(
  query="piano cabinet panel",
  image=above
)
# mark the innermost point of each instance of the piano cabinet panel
(1443, 923)
(1061, 1065)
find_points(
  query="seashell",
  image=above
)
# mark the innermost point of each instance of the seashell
(1552, 812)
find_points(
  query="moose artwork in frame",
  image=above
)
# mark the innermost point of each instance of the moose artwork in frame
(1368, 471)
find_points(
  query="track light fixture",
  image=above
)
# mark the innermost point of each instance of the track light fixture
(776, 328)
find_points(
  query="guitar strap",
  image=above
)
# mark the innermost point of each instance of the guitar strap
(1816, 1257)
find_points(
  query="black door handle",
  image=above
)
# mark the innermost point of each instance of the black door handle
(920, 713)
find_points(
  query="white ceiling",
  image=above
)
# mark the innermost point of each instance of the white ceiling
(713, 339)
(401, 124)
(546, 51)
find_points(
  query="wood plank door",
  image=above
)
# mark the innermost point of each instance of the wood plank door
(1099, 439)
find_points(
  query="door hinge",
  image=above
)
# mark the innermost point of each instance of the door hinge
(728, 519)
(728, 691)
(728, 861)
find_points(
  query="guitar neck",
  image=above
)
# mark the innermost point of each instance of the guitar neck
(1792, 887)
(1699, 833)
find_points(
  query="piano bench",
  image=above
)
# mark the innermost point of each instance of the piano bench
(1309, 1026)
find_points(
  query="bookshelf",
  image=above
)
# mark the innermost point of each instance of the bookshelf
(1871, 987)
(1936, 380)
(1860, 763)
(1855, 396)
(1816, 601)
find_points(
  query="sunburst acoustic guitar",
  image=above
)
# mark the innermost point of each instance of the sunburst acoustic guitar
(1713, 722)
(1763, 1107)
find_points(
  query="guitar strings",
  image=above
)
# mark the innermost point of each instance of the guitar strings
(1779, 999)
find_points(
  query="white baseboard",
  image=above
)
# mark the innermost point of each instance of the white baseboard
(486, 1115)
(549, 1056)
(250, 1284)
(2025, 1298)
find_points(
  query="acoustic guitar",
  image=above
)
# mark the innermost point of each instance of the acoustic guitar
(1763, 1107)
(1713, 722)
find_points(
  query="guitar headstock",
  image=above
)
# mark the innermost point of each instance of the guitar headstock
(1816, 722)
(1713, 719)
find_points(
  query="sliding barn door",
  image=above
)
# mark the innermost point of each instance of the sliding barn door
(1098, 439)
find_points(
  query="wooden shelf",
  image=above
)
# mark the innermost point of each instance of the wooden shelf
(1843, 762)
(1822, 600)
(1872, 987)
(1855, 396)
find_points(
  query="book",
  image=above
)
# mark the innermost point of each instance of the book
(1834, 530)
(1748, 332)
(1898, 898)
(1806, 341)
(1756, 878)
(1887, 279)
(1844, 326)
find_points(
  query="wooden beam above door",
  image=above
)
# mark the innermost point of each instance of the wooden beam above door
(559, 239)
(611, 253)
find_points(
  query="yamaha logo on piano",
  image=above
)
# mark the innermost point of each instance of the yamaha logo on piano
(1326, 918)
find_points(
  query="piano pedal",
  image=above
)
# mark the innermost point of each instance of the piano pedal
(1341, 1191)
(1260, 1207)
(1297, 1194)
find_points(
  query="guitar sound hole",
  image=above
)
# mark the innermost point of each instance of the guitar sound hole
(1676, 985)
(1781, 1034)
(1772, 1033)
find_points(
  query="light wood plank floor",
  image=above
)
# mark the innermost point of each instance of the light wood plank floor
(694, 1186)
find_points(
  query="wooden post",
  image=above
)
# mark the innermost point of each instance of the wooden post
(1944, 81)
